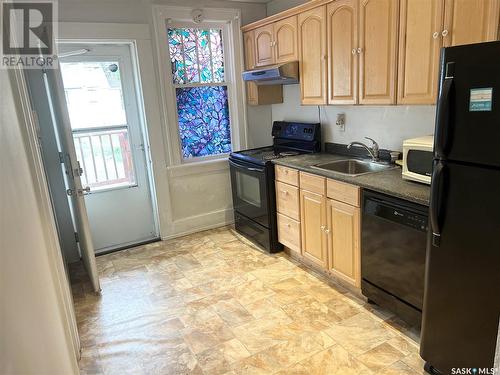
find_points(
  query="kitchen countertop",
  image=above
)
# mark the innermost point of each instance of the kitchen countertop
(388, 182)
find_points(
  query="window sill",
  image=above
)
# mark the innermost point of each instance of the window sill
(197, 167)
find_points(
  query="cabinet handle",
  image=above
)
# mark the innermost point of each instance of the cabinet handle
(323, 227)
(444, 33)
(284, 192)
(435, 35)
(360, 50)
(327, 231)
(353, 51)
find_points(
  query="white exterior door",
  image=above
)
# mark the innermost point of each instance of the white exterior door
(101, 90)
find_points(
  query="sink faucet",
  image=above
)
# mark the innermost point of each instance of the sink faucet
(373, 151)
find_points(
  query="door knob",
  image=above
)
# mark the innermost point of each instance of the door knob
(360, 50)
(444, 33)
(323, 227)
(353, 51)
(327, 231)
(435, 35)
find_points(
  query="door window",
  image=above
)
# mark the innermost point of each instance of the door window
(96, 107)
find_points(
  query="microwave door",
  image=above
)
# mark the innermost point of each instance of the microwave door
(249, 188)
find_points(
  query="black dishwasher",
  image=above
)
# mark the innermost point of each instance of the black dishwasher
(393, 248)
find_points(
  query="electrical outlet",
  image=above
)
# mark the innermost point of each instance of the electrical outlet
(341, 121)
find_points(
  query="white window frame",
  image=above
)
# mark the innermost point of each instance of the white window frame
(228, 20)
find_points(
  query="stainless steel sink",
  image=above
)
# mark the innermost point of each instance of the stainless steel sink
(353, 167)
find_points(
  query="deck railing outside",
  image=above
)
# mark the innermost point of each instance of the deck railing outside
(105, 157)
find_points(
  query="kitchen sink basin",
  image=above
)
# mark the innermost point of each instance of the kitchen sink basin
(353, 167)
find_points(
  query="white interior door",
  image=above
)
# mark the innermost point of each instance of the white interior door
(53, 84)
(104, 112)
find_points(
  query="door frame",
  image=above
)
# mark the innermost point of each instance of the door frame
(146, 84)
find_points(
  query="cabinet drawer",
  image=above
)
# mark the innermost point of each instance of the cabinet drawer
(289, 232)
(343, 192)
(287, 200)
(312, 183)
(287, 175)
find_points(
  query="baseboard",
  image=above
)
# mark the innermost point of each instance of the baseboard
(199, 223)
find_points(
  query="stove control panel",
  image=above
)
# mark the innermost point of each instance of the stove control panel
(296, 131)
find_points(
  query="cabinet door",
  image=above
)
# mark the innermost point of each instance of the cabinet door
(264, 45)
(378, 46)
(342, 52)
(312, 56)
(344, 241)
(470, 21)
(313, 224)
(285, 37)
(419, 45)
(249, 47)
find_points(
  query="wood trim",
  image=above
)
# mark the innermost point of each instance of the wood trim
(285, 14)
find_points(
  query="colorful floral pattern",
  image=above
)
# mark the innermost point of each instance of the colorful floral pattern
(203, 120)
(196, 55)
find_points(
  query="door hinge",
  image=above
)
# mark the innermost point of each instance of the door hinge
(61, 157)
(78, 171)
(77, 238)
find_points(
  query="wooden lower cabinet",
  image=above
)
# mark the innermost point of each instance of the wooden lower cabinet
(344, 256)
(289, 232)
(313, 225)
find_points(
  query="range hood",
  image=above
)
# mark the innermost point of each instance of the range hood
(281, 74)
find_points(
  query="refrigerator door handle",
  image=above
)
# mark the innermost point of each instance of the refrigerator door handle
(443, 118)
(435, 203)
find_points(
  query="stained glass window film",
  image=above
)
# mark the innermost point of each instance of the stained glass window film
(197, 60)
(196, 55)
(204, 126)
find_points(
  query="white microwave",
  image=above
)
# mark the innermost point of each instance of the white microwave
(417, 159)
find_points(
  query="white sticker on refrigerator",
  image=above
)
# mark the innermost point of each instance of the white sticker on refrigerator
(481, 99)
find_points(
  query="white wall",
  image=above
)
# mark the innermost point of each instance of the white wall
(388, 125)
(200, 197)
(140, 11)
(33, 336)
(276, 6)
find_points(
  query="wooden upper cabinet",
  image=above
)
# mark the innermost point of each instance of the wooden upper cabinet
(344, 241)
(285, 40)
(342, 38)
(420, 29)
(470, 21)
(249, 47)
(264, 45)
(378, 48)
(313, 56)
(313, 225)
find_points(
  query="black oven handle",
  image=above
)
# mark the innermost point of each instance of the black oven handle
(241, 166)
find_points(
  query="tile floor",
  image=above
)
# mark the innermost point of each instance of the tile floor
(211, 303)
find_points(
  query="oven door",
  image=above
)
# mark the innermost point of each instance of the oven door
(250, 191)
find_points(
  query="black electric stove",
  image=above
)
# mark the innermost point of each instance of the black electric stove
(252, 180)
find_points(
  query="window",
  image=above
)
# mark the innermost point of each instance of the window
(99, 123)
(201, 91)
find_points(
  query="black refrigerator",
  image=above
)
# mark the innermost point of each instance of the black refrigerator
(462, 290)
